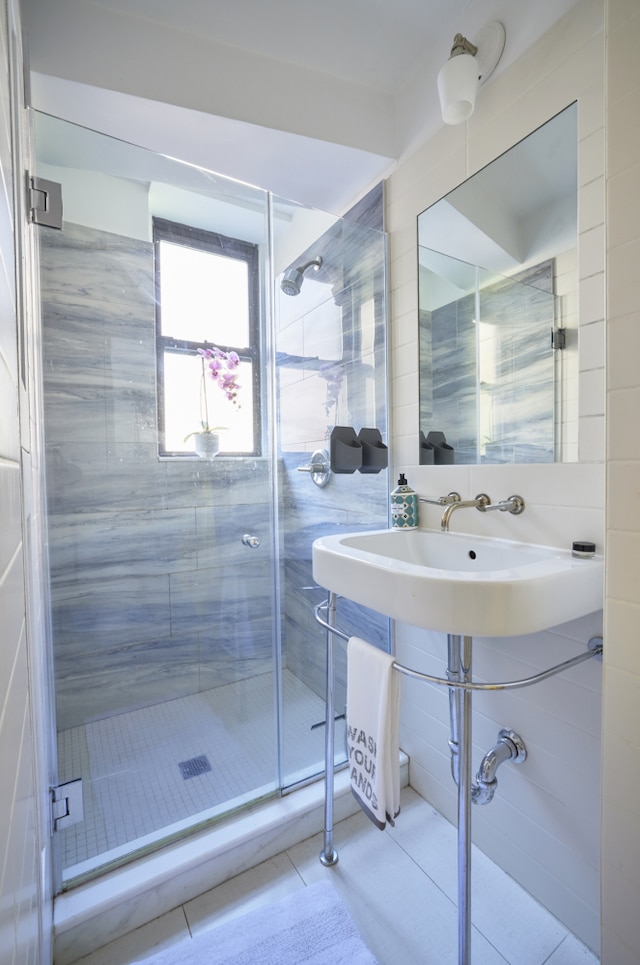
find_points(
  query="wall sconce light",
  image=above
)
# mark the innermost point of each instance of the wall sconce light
(469, 65)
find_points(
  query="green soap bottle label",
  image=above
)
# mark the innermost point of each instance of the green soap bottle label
(404, 510)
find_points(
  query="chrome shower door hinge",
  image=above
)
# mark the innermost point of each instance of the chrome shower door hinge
(66, 804)
(44, 202)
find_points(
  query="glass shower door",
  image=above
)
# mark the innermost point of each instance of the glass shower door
(330, 356)
(162, 562)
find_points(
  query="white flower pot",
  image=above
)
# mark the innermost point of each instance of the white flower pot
(207, 444)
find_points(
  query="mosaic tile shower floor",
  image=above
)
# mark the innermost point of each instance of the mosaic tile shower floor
(133, 785)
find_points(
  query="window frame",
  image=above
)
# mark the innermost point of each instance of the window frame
(209, 241)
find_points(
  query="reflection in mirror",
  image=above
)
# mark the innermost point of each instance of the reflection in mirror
(498, 308)
(490, 342)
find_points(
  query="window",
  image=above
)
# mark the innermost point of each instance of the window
(206, 295)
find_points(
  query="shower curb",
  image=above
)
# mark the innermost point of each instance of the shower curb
(103, 910)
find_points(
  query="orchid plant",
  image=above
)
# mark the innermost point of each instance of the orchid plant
(221, 367)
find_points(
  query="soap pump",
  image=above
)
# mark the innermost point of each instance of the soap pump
(404, 506)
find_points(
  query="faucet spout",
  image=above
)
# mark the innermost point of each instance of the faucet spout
(480, 502)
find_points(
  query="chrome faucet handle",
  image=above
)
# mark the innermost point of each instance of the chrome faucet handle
(442, 500)
(513, 505)
(319, 468)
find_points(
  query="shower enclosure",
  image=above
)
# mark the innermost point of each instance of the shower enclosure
(189, 671)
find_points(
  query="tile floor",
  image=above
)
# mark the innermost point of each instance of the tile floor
(400, 886)
(133, 788)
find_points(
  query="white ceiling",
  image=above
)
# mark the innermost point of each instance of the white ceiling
(375, 43)
(315, 102)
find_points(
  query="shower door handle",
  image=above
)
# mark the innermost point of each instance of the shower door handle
(252, 541)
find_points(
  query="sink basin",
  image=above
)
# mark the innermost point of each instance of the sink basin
(456, 583)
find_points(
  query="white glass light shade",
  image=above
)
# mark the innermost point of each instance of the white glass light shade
(457, 87)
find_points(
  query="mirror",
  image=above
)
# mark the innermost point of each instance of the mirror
(498, 339)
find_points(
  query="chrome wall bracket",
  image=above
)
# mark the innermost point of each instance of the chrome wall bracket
(596, 646)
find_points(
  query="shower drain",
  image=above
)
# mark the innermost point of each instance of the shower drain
(194, 767)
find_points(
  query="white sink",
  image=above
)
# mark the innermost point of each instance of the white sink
(455, 583)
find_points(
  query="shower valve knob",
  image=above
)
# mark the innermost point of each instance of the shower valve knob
(252, 541)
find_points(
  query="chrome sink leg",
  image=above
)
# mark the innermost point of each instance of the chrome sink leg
(509, 747)
(453, 673)
(328, 855)
(464, 810)
(459, 670)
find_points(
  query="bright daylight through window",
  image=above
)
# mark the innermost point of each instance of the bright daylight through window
(206, 339)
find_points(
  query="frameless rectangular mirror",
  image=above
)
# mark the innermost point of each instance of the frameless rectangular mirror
(498, 339)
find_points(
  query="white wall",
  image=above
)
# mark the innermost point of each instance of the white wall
(543, 825)
(25, 913)
(621, 710)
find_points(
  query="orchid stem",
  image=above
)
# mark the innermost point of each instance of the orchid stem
(203, 397)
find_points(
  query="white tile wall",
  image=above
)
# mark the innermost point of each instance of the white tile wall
(543, 825)
(20, 900)
(621, 703)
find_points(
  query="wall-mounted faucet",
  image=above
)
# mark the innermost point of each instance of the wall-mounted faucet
(480, 502)
(453, 501)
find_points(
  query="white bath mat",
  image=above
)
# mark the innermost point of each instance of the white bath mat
(312, 925)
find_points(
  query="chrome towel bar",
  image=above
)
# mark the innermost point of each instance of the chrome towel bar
(595, 650)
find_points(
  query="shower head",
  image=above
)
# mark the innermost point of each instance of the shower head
(293, 277)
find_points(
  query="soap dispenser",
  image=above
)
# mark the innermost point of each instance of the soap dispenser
(404, 506)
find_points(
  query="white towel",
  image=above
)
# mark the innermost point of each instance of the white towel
(373, 714)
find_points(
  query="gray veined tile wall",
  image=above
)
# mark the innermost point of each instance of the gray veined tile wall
(153, 593)
(147, 603)
(337, 376)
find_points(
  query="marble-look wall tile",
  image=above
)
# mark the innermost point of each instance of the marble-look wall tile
(118, 678)
(153, 591)
(123, 525)
(234, 604)
(219, 535)
(122, 543)
(349, 503)
(220, 665)
(338, 378)
(88, 613)
(82, 478)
